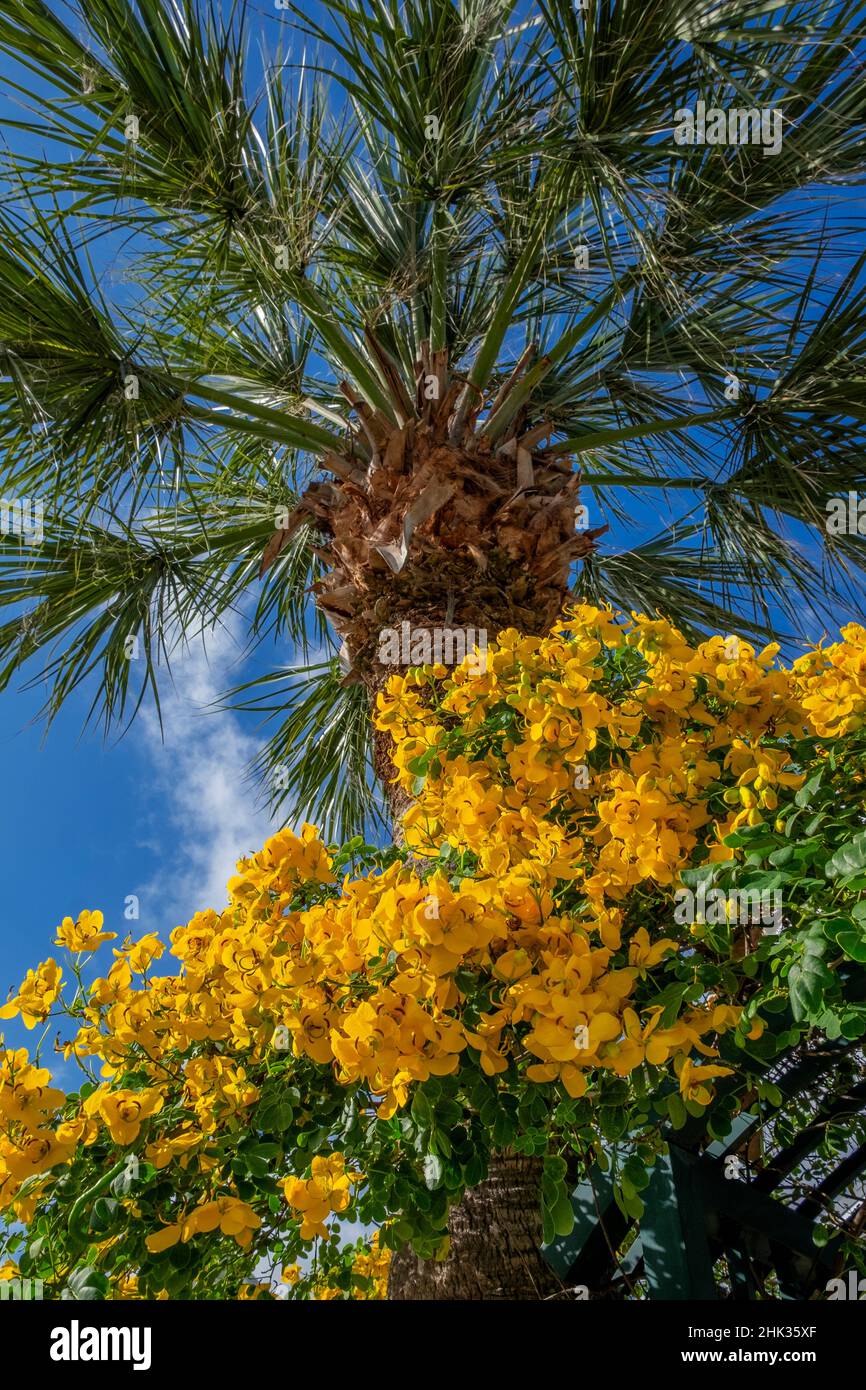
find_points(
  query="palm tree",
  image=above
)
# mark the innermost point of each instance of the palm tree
(415, 302)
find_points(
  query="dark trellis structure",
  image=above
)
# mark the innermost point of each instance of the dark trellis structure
(737, 1218)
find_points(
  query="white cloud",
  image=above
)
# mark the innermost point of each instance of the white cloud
(207, 814)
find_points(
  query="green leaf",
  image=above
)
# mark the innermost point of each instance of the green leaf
(853, 943)
(807, 979)
(440, 1142)
(636, 1172)
(849, 936)
(562, 1214)
(554, 1171)
(612, 1121)
(421, 1111)
(848, 859)
(474, 1171)
(633, 1205)
(86, 1284)
(854, 1023)
(503, 1129)
(676, 1111)
(805, 794)
(780, 857)
(767, 1091)
(275, 1117)
(433, 1171)
(548, 1230)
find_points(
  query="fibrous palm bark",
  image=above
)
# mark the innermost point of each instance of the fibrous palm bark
(495, 1238)
(440, 528)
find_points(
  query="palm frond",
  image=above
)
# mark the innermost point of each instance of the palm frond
(318, 761)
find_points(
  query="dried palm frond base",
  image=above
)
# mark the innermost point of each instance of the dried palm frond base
(432, 533)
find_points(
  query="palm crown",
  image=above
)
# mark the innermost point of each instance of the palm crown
(397, 289)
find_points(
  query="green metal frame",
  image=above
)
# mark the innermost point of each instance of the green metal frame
(694, 1215)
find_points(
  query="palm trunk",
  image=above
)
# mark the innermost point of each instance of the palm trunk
(495, 1238)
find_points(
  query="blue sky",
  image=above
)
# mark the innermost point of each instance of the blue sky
(87, 824)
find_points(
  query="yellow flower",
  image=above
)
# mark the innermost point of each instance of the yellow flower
(640, 1043)
(85, 934)
(114, 987)
(162, 1150)
(373, 1264)
(645, 955)
(163, 1239)
(327, 1190)
(40, 990)
(123, 1111)
(233, 1217)
(228, 1214)
(25, 1096)
(693, 1080)
(34, 1154)
(140, 955)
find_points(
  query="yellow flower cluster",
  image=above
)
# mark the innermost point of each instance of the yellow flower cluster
(38, 993)
(832, 683)
(328, 1190)
(594, 782)
(28, 1143)
(691, 717)
(370, 1264)
(227, 1214)
(373, 1264)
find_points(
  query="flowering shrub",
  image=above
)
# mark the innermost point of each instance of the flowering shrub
(357, 1031)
